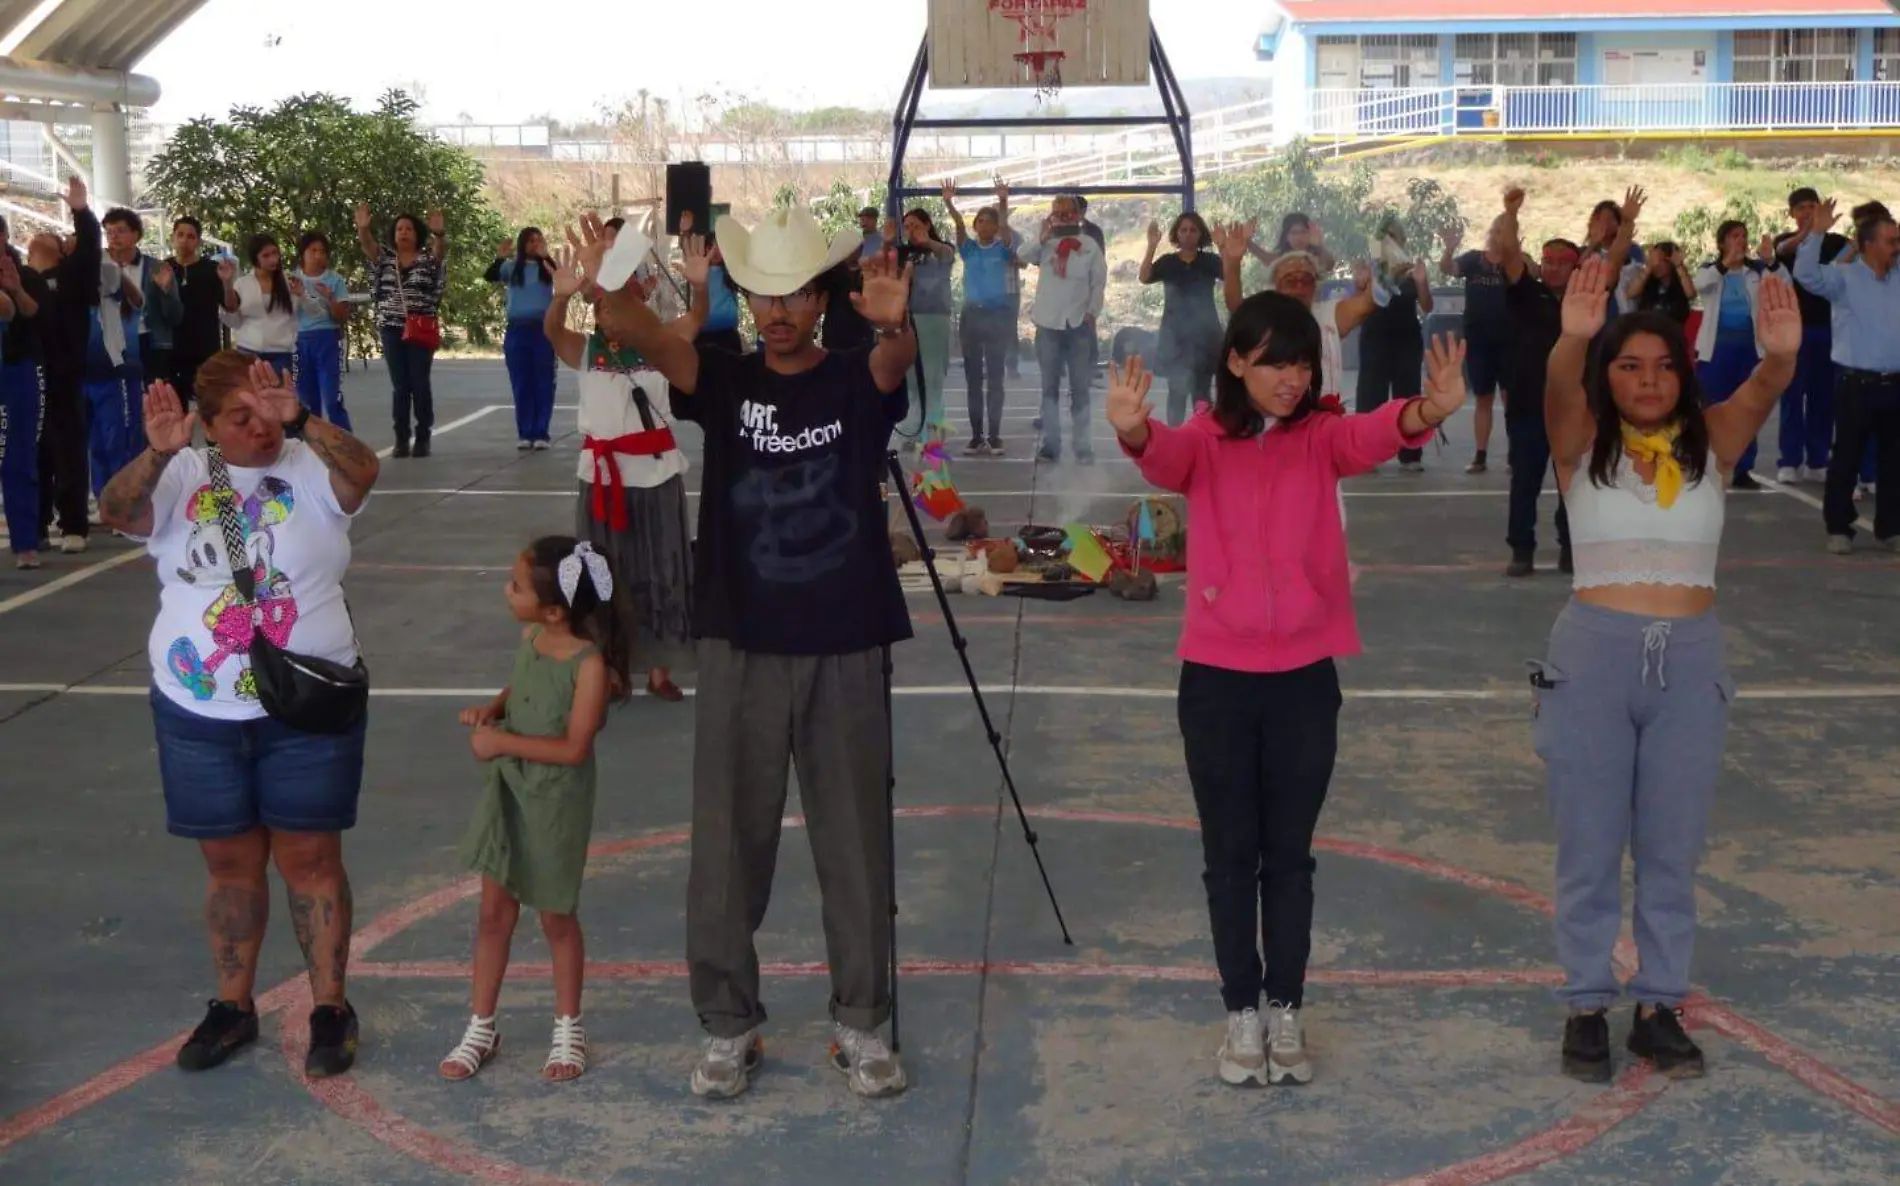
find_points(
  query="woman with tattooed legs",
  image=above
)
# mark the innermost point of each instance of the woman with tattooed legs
(251, 790)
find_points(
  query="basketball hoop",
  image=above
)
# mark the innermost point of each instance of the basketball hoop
(1039, 21)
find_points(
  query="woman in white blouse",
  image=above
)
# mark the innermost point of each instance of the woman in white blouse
(260, 306)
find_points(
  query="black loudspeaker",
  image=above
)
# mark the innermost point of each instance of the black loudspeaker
(689, 189)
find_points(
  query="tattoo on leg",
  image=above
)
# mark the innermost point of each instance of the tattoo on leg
(236, 916)
(302, 920)
(344, 916)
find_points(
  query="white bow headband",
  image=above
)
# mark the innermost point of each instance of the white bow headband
(569, 574)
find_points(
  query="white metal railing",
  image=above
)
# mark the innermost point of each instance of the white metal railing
(1683, 108)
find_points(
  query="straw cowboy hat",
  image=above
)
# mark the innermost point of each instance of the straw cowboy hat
(786, 252)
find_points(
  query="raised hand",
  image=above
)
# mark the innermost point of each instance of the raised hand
(75, 194)
(1514, 199)
(1230, 242)
(505, 250)
(1316, 232)
(1778, 318)
(1633, 202)
(227, 271)
(1154, 235)
(885, 300)
(168, 426)
(1421, 274)
(1128, 406)
(362, 216)
(437, 224)
(696, 260)
(9, 273)
(1827, 215)
(267, 397)
(1454, 237)
(1361, 276)
(162, 275)
(1445, 375)
(1002, 191)
(590, 245)
(1766, 249)
(950, 193)
(1586, 301)
(892, 232)
(567, 276)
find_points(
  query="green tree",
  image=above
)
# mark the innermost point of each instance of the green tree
(1695, 227)
(305, 164)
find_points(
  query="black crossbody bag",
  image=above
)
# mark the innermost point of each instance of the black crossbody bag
(307, 693)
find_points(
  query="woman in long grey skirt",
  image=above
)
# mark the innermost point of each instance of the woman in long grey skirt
(632, 502)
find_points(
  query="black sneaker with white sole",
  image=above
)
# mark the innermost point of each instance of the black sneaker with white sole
(1661, 1039)
(225, 1030)
(333, 1033)
(1587, 1047)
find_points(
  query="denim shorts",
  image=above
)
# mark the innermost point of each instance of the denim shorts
(225, 778)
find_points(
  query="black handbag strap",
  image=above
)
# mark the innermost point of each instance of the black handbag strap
(236, 547)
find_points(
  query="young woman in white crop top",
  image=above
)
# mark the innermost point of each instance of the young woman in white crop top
(1632, 698)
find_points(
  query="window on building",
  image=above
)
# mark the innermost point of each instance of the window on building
(1379, 62)
(1516, 59)
(1887, 55)
(1798, 55)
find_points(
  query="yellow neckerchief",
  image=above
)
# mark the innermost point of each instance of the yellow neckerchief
(1658, 448)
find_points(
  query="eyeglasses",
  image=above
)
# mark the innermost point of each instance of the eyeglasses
(802, 301)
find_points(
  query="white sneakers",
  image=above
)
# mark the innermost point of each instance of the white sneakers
(1787, 475)
(727, 1065)
(1265, 1050)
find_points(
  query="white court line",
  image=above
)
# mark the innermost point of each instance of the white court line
(451, 426)
(1798, 495)
(1867, 692)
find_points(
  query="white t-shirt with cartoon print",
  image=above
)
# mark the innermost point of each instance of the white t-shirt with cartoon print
(299, 543)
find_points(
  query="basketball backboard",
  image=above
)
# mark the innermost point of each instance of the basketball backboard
(1038, 43)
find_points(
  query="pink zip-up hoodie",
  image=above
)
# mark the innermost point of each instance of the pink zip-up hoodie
(1268, 583)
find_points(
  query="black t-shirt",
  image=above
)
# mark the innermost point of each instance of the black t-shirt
(1190, 324)
(1395, 325)
(794, 554)
(1537, 321)
(1664, 295)
(22, 340)
(845, 328)
(1487, 320)
(200, 334)
(1815, 310)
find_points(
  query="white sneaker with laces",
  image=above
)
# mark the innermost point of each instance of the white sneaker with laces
(867, 1064)
(1815, 475)
(1243, 1056)
(1787, 475)
(1840, 545)
(1286, 1046)
(727, 1065)
(72, 545)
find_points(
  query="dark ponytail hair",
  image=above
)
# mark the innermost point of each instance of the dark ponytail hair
(520, 276)
(1291, 336)
(1692, 436)
(590, 618)
(279, 298)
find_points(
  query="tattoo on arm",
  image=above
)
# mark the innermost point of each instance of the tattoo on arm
(126, 502)
(345, 456)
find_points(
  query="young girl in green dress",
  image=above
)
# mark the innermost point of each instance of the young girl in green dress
(536, 743)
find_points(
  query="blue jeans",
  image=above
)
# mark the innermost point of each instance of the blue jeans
(115, 423)
(1630, 720)
(530, 358)
(1723, 375)
(22, 409)
(1807, 408)
(1059, 351)
(225, 778)
(410, 390)
(1530, 462)
(320, 375)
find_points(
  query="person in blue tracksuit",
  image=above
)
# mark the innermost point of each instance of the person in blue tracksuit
(522, 270)
(113, 379)
(1726, 350)
(323, 313)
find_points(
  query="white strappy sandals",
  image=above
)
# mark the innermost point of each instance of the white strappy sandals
(567, 1057)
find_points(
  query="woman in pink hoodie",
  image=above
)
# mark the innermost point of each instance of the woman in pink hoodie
(1269, 610)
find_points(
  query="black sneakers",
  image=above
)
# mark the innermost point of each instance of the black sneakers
(1587, 1047)
(1566, 563)
(422, 445)
(1660, 1039)
(1743, 480)
(225, 1030)
(1523, 563)
(332, 1041)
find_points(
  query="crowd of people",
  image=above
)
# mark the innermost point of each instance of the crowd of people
(785, 599)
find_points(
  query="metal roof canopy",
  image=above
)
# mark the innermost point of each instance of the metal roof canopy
(93, 34)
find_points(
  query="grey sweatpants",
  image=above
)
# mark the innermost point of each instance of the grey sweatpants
(758, 716)
(1631, 716)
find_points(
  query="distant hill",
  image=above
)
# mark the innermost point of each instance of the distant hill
(1203, 94)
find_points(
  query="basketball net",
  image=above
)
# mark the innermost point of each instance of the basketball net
(1039, 22)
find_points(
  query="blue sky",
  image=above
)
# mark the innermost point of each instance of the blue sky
(505, 61)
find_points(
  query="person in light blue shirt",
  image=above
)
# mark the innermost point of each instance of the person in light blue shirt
(987, 325)
(323, 316)
(1865, 295)
(527, 281)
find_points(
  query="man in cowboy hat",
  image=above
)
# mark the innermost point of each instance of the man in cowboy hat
(797, 607)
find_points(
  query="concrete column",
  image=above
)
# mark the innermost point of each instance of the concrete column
(111, 159)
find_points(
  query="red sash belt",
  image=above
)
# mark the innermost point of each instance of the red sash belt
(652, 443)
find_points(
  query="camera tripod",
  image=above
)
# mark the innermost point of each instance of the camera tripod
(961, 644)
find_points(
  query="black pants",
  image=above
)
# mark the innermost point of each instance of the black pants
(412, 393)
(182, 374)
(64, 475)
(985, 335)
(1260, 752)
(1013, 348)
(1866, 407)
(1391, 368)
(1530, 461)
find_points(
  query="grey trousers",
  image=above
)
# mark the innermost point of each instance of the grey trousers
(1631, 717)
(758, 716)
